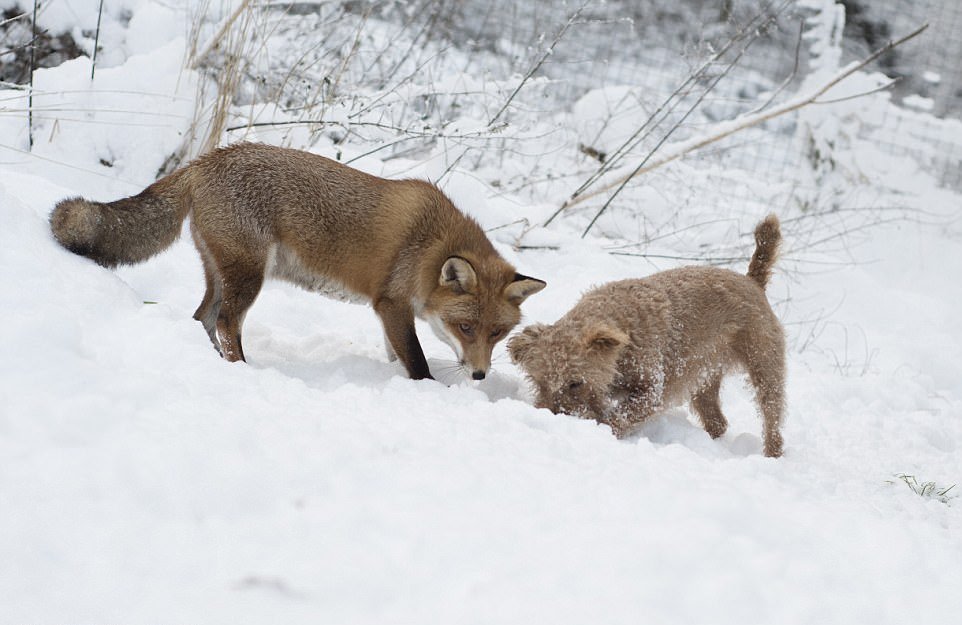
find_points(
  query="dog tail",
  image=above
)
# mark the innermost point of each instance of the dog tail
(768, 236)
(127, 231)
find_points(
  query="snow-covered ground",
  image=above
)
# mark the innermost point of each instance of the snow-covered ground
(144, 480)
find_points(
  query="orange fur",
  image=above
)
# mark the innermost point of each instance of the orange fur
(261, 211)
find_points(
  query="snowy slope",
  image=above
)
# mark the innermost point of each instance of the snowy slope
(143, 479)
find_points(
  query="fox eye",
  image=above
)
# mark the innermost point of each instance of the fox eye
(574, 386)
(497, 334)
(466, 329)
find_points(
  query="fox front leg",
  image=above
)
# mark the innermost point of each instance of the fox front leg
(398, 322)
(389, 351)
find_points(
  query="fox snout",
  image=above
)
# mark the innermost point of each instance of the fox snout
(476, 358)
(478, 370)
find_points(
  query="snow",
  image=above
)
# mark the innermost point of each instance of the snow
(144, 479)
(918, 102)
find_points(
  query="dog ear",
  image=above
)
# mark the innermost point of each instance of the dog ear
(521, 287)
(604, 339)
(520, 344)
(458, 275)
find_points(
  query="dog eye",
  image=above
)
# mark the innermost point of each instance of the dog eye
(466, 330)
(573, 386)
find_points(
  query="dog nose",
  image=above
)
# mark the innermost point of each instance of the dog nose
(478, 375)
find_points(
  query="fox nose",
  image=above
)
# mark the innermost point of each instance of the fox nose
(478, 375)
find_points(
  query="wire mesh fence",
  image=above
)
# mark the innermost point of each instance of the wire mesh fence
(928, 91)
(388, 63)
(654, 46)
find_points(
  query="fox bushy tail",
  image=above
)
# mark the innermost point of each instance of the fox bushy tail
(126, 231)
(768, 237)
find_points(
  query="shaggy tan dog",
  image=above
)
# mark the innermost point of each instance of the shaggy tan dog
(631, 348)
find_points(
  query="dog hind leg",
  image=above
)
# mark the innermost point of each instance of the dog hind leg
(766, 370)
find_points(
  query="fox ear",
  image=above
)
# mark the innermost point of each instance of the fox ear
(604, 339)
(520, 344)
(458, 274)
(521, 287)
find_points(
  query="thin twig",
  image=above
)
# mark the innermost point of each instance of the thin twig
(11, 85)
(12, 19)
(703, 259)
(862, 94)
(58, 109)
(93, 60)
(789, 78)
(537, 66)
(215, 40)
(33, 53)
(427, 27)
(138, 185)
(453, 164)
(664, 235)
(419, 135)
(332, 88)
(523, 221)
(367, 107)
(409, 131)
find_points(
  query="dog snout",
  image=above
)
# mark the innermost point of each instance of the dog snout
(548, 405)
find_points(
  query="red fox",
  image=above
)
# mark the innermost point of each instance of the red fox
(258, 210)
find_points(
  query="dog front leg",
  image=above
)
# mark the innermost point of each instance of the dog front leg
(631, 410)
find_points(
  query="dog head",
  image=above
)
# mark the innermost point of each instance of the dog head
(571, 366)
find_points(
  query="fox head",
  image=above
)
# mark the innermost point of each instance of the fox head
(475, 305)
(572, 367)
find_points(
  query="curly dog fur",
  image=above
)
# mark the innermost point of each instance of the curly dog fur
(631, 348)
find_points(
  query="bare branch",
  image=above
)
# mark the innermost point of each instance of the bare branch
(790, 77)
(93, 60)
(862, 94)
(33, 55)
(701, 259)
(12, 19)
(544, 57)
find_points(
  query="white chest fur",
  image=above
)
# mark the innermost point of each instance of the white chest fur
(283, 264)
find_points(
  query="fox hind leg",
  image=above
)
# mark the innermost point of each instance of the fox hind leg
(234, 267)
(391, 354)
(209, 307)
(241, 284)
